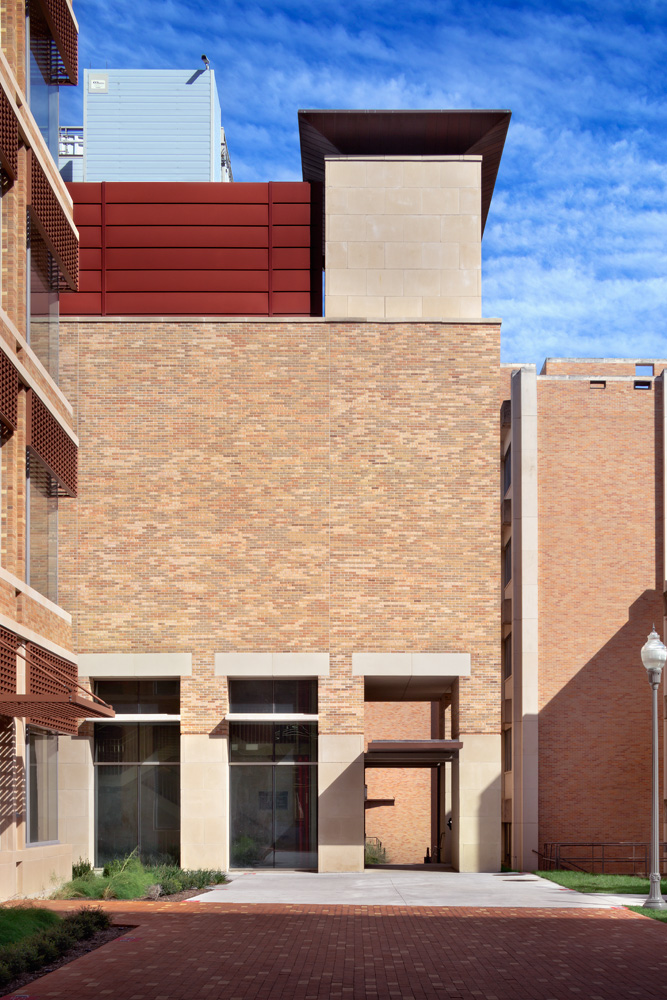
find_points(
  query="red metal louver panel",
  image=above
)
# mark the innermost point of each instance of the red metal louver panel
(9, 643)
(193, 249)
(58, 17)
(54, 698)
(9, 141)
(53, 225)
(49, 675)
(51, 444)
(9, 391)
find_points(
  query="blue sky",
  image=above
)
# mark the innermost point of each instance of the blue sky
(575, 255)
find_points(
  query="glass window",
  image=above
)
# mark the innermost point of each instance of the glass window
(42, 772)
(507, 750)
(141, 697)
(507, 656)
(41, 530)
(507, 563)
(286, 742)
(507, 470)
(42, 91)
(137, 776)
(138, 807)
(42, 325)
(273, 696)
(137, 743)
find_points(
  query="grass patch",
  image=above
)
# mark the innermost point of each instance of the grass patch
(18, 922)
(130, 879)
(645, 912)
(584, 882)
(39, 948)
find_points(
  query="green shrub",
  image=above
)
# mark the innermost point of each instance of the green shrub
(168, 886)
(374, 854)
(5, 974)
(82, 869)
(30, 954)
(13, 958)
(128, 878)
(203, 877)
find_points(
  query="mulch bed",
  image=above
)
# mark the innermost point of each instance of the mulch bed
(83, 947)
(79, 949)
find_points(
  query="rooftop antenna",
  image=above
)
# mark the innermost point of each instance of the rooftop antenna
(206, 62)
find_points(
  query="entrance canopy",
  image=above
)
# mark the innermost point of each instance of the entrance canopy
(411, 753)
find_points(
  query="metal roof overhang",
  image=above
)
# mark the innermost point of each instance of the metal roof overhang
(404, 133)
(411, 753)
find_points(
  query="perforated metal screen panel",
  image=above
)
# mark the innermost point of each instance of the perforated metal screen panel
(58, 17)
(53, 225)
(48, 674)
(51, 444)
(9, 643)
(9, 141)
(9, 391)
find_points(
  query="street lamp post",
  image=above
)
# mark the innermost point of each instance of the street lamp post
(654, 655)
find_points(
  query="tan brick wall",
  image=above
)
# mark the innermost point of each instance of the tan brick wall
(404, 828)
(599, 475)
(597, 367)
(44, 621)
(12, 36)
(287, 486)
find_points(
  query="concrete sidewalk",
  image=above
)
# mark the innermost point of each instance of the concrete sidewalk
(383, 887)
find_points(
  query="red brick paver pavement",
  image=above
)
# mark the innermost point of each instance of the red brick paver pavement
(211, 951)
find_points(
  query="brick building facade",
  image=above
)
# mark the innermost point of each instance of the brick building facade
(285, 499)
(39, 694)
(289, 565)
(584, 514)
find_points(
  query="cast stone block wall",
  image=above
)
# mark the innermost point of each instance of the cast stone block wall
(403, 237)
(600, 570)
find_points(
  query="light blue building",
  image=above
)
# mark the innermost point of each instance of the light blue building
(147, 125)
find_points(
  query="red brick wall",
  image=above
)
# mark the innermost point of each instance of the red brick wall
(600, 572)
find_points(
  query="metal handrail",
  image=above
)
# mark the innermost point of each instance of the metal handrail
(600, 857)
